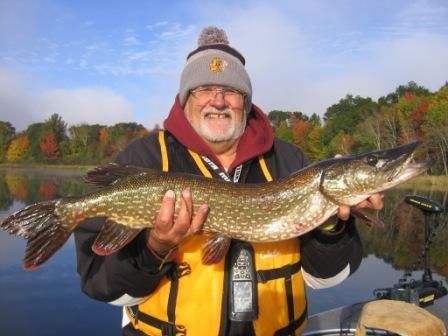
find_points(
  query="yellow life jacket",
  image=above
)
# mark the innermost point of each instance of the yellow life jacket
(191, 299)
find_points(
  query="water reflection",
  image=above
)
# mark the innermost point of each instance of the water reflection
(401, 242)
(47, 301)
(51, 303)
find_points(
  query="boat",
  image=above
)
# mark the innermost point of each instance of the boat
(422, 293)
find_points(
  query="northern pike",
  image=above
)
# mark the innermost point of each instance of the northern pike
(130, 200)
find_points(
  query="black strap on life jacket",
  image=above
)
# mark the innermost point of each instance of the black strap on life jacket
(169, 328)
(285, 272)
(290, 329)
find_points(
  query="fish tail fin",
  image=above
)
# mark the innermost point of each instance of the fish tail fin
(42, 227)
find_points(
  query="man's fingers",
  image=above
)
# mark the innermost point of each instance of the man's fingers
(183, 220)
(373, 202)
(164, 219)
(376, 200)
(199, 219)
(344, 212)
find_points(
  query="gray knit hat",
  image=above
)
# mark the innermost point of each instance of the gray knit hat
(214, 62)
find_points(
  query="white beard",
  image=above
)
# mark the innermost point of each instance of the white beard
(234, 130)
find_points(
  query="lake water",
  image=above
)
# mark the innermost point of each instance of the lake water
(48, 301)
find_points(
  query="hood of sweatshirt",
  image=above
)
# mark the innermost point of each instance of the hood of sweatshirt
(257, 138)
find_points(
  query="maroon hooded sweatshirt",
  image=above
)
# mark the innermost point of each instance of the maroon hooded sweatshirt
(257, 138)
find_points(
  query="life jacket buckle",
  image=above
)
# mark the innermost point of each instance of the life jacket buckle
(171, 329)
(184, 269)
(179, 270)
(180, 330)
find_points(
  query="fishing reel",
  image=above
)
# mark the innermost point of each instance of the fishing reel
(425, 291)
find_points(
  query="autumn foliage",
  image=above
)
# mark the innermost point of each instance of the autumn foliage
(49, 146)
(17, 149)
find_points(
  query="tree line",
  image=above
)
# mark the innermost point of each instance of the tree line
(352, 125)
(357, 124)
(52, 141)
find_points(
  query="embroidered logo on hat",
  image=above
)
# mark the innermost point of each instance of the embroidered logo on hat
(218, 65)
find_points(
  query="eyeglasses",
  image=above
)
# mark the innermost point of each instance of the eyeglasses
(205, 93)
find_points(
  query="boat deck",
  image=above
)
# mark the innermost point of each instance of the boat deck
(343, 320)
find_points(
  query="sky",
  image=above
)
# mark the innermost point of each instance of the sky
(120, 61)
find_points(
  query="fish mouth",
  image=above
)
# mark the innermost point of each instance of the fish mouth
(409, 171)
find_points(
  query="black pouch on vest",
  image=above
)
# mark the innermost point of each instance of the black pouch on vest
(243, 303)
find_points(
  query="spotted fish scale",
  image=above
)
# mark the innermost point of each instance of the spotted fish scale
(256, 212)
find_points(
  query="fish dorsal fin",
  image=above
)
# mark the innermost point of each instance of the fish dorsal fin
(109, 174)
(112, 237)
(215, 249)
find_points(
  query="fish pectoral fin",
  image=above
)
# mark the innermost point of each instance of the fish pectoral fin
(111, 173)
(215, 249)
(367, 219)
(113, 237)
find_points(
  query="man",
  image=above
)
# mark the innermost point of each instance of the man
(214, 130)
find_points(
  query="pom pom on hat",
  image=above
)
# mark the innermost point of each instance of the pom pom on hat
(213, 45)
(212, 35)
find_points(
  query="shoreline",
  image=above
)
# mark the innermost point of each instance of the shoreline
(427, 182)
(46, 166)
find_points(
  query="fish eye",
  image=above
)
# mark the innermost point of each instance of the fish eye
(372, 160)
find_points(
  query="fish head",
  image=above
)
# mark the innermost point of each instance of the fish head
(349, 180)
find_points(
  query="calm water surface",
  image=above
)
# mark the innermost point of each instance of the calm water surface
(48, 301)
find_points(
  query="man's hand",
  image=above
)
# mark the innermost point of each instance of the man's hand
(373, 202)
(167, 232)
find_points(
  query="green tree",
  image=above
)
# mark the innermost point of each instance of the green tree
(315, 120)
(35, 133)
(315, 149)
(7, 133)
(83, 146)
(58, 126)
(276, 117)
(411, 87)
(284, 132)
(435, 126)
(345, 116)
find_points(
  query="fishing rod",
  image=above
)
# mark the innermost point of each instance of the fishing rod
(420, 292)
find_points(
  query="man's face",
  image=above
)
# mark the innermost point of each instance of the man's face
(216, 113)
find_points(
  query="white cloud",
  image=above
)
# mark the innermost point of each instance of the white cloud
(131, 41)
(22, 103)
(177, 31)
(294, 66)
(15, 102)
(86, 105)
(157, 24)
